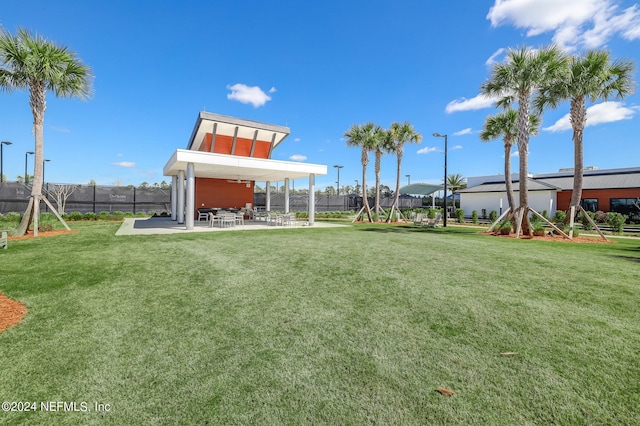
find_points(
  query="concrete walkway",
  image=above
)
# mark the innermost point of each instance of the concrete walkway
(164, 225)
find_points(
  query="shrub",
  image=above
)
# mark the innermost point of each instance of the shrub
(576, 231)
(90, 216)
(559, 217)
(75, 216)
(45, 227)
(538, 228)
(117, 215)
(130, 214)
(460, 215)
(474, 217)
(586, 225)
(600, 217)
(104, 215)
(13, 217)
(616, 221)
(505, 227)
(431, 213)
(142, 214)
(535, 220)
(545, 214)
(484, 213)
(493, 216)
(46, 216)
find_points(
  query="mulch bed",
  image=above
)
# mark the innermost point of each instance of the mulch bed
(42, 234)
(11, 312)
(558, 238)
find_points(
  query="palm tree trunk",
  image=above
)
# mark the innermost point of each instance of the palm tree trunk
(376, 208)
(37, 101)
(523, 151)
(578, 116)
(507, 176)
(396, 197)
(365, 201)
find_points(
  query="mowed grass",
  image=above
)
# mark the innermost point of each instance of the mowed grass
(353, 325)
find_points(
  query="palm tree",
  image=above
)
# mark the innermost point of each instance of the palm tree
(401, 134)
(362, 136)
(504, 124)
(28, 61)
(381, 139)
(592, 77)
(525, 73)
(455, 182)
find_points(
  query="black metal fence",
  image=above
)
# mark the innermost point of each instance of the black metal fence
(14, 197)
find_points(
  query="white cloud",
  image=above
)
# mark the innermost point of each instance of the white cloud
(248, 94)
(466, 131)
(272, 90)
(427, 150)
(60, 129)
(605, 112)
(463, 104)
(455, 147)
(298, 157)
(296, 140)
(575, 24)
(492, 59)
(127, 164)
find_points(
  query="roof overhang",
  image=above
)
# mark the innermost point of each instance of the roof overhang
(217, 124)
(223, 166)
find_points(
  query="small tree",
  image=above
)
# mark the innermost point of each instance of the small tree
(60, 193)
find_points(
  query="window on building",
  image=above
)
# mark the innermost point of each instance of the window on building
(623, 205)
(590, 204)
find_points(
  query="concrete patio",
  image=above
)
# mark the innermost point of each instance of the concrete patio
(164, 225)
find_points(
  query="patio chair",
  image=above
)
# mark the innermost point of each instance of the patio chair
(432, 223)
(417, 220)
(229, 218)
(203, 214)
(287, 219)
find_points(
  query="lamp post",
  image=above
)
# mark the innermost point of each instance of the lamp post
(356, 188)
(338, 167)
(408, 179)
(26, 177)
(43, 163)
(1, 146)
(438, 135)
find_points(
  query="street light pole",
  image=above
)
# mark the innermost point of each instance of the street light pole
(26, 177)
(43, 163)
(338, 167)
(356, 188)
(438, 135)
(408, 179)
(1, 171)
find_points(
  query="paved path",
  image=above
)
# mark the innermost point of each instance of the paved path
(164, 225)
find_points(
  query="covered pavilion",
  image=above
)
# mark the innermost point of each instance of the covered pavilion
(224, 158)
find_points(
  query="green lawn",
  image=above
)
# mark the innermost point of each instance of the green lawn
(354, 325)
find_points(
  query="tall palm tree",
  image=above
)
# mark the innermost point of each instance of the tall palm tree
(525, 74)
(380, 140)
(401, 134)
(505, 124)
(363, 136)
(455, 182)
(592, 77)
(30, 61)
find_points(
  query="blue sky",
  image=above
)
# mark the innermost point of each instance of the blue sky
(316, 67)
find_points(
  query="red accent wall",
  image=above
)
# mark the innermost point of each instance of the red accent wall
(602, 195)
(223, 145)
(223, 194)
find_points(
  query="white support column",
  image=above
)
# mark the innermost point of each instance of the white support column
(180, 196)
(286, 195)
(174, 195)
(267, 198)
(191, 195)
(312, 199)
